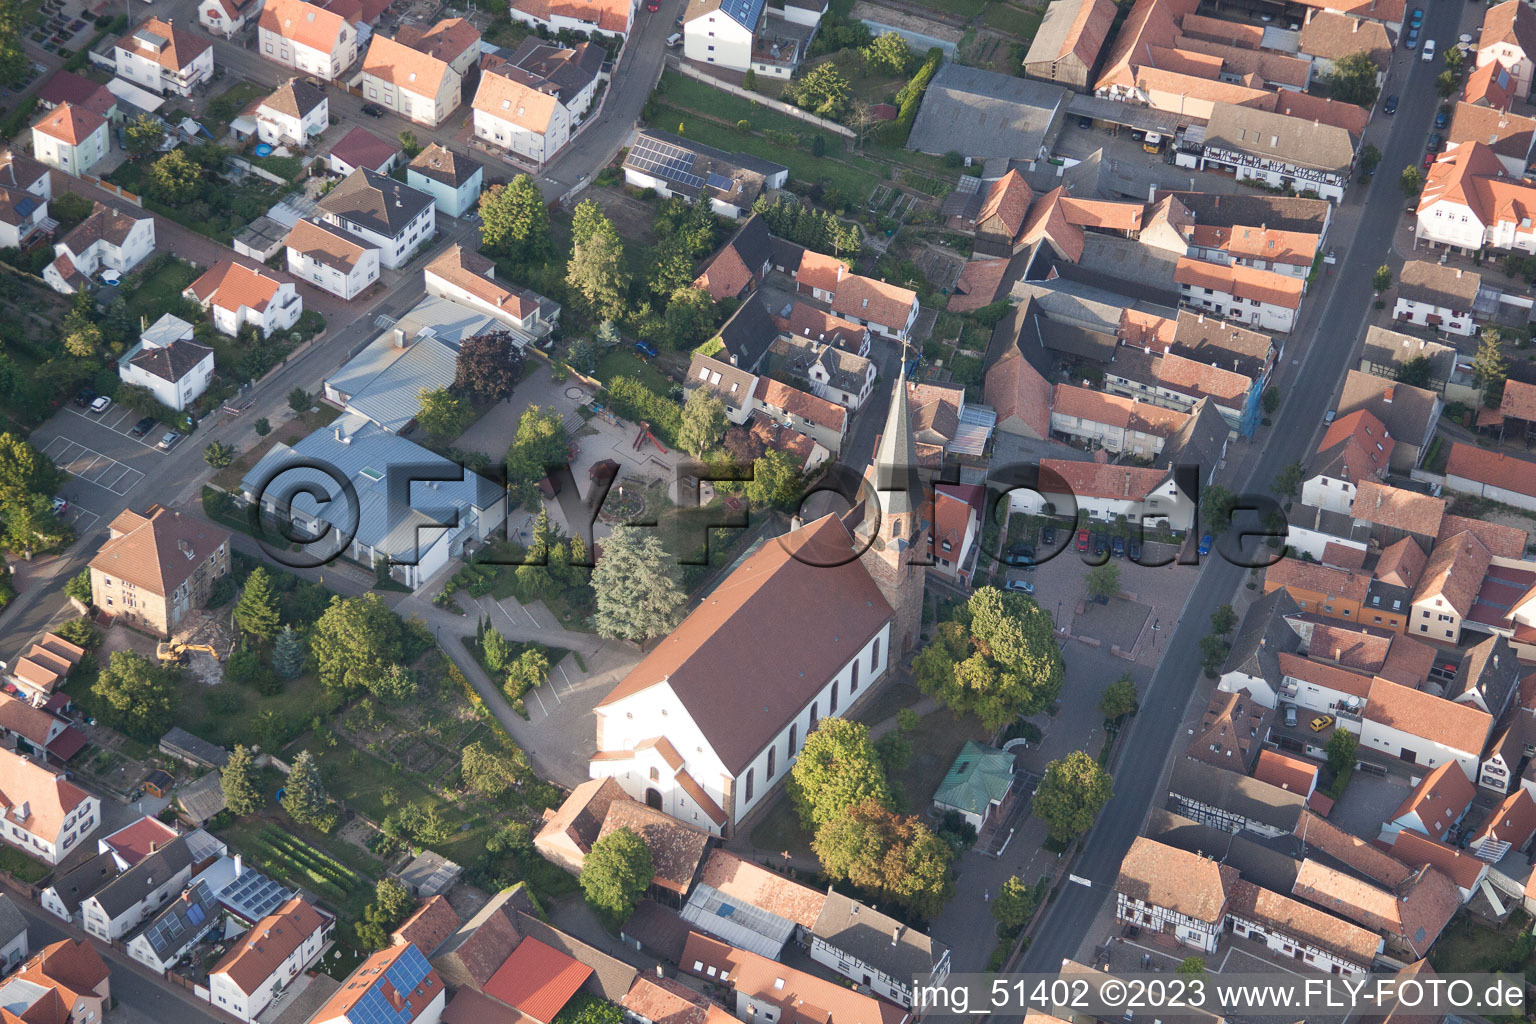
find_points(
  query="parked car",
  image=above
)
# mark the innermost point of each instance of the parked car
(645, 348)
(84, 397)
(1205, 544)
(1021, 554)
(1429, 160)
(1416, 18)
(1390, 107)
(1328, 416)
(1442, 119)
(1321, 722)
(1085, 122)
(1117, 547)
(674, 39)
(1082, 540)
(1135, 550)
(1428, 53)
(169, 441)
(652, 6)
(1290, 716)
(1020, 586)
(144, 426)
(60, 506)
(1411, 38)
(373, 110)
(1434, 142)
(1048, 535)
(101, 404)
(1100, 545)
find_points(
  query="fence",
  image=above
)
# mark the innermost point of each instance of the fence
(266, 175)
(771, 104)
(107, 186)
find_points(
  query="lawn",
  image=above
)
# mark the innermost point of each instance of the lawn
(622, 362)
(160, 291)
(202, 713)
(1013, 20)
(226, 106)
(1469, 946)
(935, 743)
(780, 830)
(691, 94)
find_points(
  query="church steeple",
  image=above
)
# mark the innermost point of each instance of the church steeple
(896, 534)
(896, 457)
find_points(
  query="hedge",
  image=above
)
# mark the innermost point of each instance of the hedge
(16, 120)
(633, 401)
(911, 95)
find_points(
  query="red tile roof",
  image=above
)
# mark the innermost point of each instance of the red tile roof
(1461, 727)
(764, 889)
(801, 998)
(1454, 572)
(1116, 411)
(608, 15)
(1401, 564)
(1300, 922)
(1440, 798)
(160, 551)
(1495, 468)
(807, 406)
(369, 975)
(1416, 851)
(1240, 282)
(1501, 541)
(230, 285)
(269, 942)
(1409, 511)
(1007, 203)
(1323, 674)
(136, 841)
(180, 49)
(430, 926)
(1350, 850)
(537, 979)
(1096, 480)
(1285, 772)
(1014, 388)
(1488, 84)
(1512, 822)
(362, 148)
(1296, 574)
(70, 124)
(1175, 879)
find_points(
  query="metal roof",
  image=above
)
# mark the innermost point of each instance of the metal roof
(741, 924)
(979, 777)
(253, 896)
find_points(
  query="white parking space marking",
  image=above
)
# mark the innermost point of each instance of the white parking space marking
(120, 423)
(81, 519)
(91, 466)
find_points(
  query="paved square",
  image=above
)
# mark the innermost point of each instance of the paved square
(121, 420)
(91, 466)
(1116, 624)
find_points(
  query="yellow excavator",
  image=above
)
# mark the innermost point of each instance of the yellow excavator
(179, 652)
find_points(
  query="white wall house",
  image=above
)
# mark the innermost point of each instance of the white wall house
(26, 188)
(106, 240)
(261, 965)
(609, 17)
(383, 213)
(413, 84)
(164, 59)
(71, 138)
(1256, 298)
(46, 815)
(176, 370)
(510, 115)
(177, 928)
(1457, 731)
(467, 277)
(226, 18)
(1107, 492)
(309, 38)
(331, 259)
(1507, 38)
(295, 115)
(135, 895)
(452, 180)
(1296, 931)
(1470, 202)
(716, 34)
(235, 295)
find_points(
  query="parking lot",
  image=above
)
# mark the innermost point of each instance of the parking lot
(121, 420)
(92, 466)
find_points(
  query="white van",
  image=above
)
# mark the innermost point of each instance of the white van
(674, 38)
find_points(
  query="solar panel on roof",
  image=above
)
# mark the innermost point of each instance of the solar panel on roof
(744, 12)
(665, 160)
(720, 182)
(195, 914)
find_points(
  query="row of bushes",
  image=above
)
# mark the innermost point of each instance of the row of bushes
(310, 859)
(633, 401)
(464, 686)
(911, 95)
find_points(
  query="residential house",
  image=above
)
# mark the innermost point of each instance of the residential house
(885, 308)
(106, 240)
(1508, 828)
(1066, 46)
(675, 166)
(1177, 382)
(33, 731)
(748, 36)
(1220, 796)
(1354, 448)
(1509, 135)
(453, 181)
(1395, 512)
(1437, 296)
(134, 895)
(1470, 202)
(263, 962)
(154, 569)
(176, 929)
(1013, 386)
(73, 139)
(659, 1000)
(1465, 870)
(1489, 85)
(1285, 772)
(741, 264)
(25, 191)
(834, 374)
(1421, 728)
(1329, 36)
(1293, 929)
(389, 523)
(133, 842)
(396, 981)
(163, 59)
(1439, 800)
(382, 213)
(1492, 475)
(414, 84)
(1168, 891)
(1509, 37)
(1389, 353)
(608, 17)
(294, 115)
(236, 295)
(309, 37)
(1276, 149)
(454, 41)
(1518, 403)
(360, 149)
(67, 87)
(1253, 663)
(1231, 732)
(1260, 298)
(747, 335)
(977, 783)
(167, 362)
(1114, 423)
(1409, 414)
(876, 951)
(226, 18)
(1448, 586)
(45, 814)
(533, 103)
(763, 989)
(1140, 494)
(732, 385)
(817, 418)
(428, 926)
(65, 981)
(469, 279)
(752, 907)
(13, 935)
(1321, 589)
(331, 259)
(957, 518)
(63, 897)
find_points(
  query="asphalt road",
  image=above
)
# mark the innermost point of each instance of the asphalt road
(1333, 323)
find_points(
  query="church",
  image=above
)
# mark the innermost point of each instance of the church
(710, 722)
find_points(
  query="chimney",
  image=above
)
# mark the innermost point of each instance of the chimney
(896, 935)
(840, 269)
(400, 337)
(659, 972)
(153, 845)
(239, 864)
(1386, 396)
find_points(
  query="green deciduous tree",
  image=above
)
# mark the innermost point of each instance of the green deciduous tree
(1119, 699)
(1191, 965)
(136, 696)
(616, 874)
(894, 857)
(1445, 84)
(1354, 79)
(888, 54)
(636, 586)
(1412, 181)
(84, 341)
(1216, 504)
(1382, 279)
(175, 178)
(444, 414)
(238, 780)
(218, 454)
(776, 480)
(1223, 620)
(288, 654)
(79, 586)
(837, 768)
(1015, 904)
(689, 318)
(353, 640)
(1341, 751)
(996, 657)
(1489, 368)
(824, 90)
(256, 612)
(392, 903)
(142, 136)
(487, 772)
(299, 400)
(304, 796)
(514, 222)
(539, 447)
(1290, 478)
(596, 271)
(1370, 157)
(1103, 580)
(703, 423)
(1070, 795)
(1417, 372)
(391, 684)
(1213, 654)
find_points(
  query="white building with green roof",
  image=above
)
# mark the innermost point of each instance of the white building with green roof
(976, 783)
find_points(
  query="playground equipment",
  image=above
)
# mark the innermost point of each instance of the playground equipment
(645, 435)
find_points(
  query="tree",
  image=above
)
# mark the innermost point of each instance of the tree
(256, 613)
(488, 367)
(304, 796)
(1191, 965)
(529, 670)
(1412, 181)
(352, 640)
(1445, 84)
(1417, 372)
(135, 696)
(263, 426)
(1270, 400)
(1216, 504)
(79, 587)
(749, 80)
(995, 657)
(25, 471)
(1382, 280)
(444, 414)
(1370, 157)
(1354, 79)
(862, 120)
(837, 768)
(596, 270)
(238, 780)
(498, 651)
(84, 341)
(888, 54)
(218, 454)
(409, 143)
(616, 874)
(487, 772)
(392, 903)
(636, 586)
(1223, 620)
(1453, 57)
(824, 90)
(514, 222)
(1070, 795)
(298, 400)
(893, 857)
(742, 445)
(175, 179)
(1015, 904)
(539, 447)
(392, 684)
(1213, 654)
(703, 423)
(1289, 478)
(1104, 580)
(775, 480)
(288, 654)
(1489, 368)
(1119, 699)
(1341, 751)
(689, 319)
(142, 136)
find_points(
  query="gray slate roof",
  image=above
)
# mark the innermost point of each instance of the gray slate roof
(1263, 636)
(83, 882)
(865, 933)
(1449, 287)
(130, 887)
(174, 361)
(1231, 209)
(1259, 864)
(376, 201)
(12, 923)
(985, 114)
(748, 333)
(1199, 442)
(179, 743)
(1238, 794)
(1390, 348)
(175, 928)
(1290, 141)
(202, 799)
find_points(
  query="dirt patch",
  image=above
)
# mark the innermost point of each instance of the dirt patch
(941, 267)
(421, 757)
(923, 24)
(632, 217)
